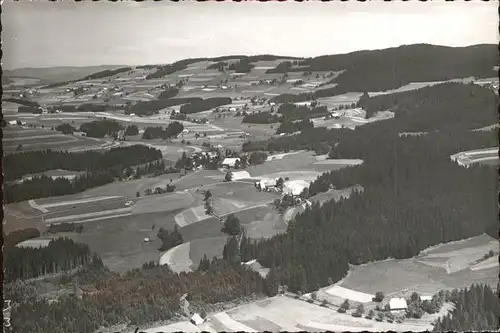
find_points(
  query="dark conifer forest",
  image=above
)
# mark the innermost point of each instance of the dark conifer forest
(60, 255)
(476, 309)
(20, 164)
(391, 68)
(100, 169)
(414, 195)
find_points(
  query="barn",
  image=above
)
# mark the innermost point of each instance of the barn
(230, 162)
(397, 304)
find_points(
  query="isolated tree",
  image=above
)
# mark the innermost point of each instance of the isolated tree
(371, 313)
(232, 225)
(345, 305)
(137, 194)
(360, 310)
(304, 194)
(229, 176)
(231, 251)
(279, 183)
(208, 196)
(148, 191)
(414, 297)
(379, 296)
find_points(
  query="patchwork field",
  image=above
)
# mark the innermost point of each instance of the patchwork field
(25, 139)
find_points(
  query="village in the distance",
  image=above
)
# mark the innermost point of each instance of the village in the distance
(345, 192)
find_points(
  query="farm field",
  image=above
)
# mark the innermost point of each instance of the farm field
(295, 162)
(17, 138)
(283, 313)
(430, 271)
(186, 257)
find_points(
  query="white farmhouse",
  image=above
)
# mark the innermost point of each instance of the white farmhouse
(230, 162)
(425, 298)
(196, 319)
(397, 304)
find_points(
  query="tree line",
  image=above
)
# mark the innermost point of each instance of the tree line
(149, 108)
(476, 309)
(20, 164)
(204, 104)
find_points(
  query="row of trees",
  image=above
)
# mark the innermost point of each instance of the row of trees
(20, 164)
(204, 104)
(173, 130)
(220, 66)
(106, 73)
(289, 127)
(260, 118)
(169, 239)
(160, 190)
(149, 108)
(161, 71)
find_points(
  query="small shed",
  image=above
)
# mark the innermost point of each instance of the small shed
(196, 319)
(397, 304)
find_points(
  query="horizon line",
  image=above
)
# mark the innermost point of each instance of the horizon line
(239, 55)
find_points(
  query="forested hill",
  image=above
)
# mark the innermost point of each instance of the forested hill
(381, 70)
(451, 108)
(414, 196)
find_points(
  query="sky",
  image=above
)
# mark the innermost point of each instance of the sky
(67, 33)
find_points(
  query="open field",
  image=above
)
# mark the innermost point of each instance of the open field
(120, 241)
(224, 202)
(39, 138)
(282, 313)
(186, 257)
(423, 275)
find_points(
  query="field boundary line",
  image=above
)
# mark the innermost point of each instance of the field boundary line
(36, 206)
